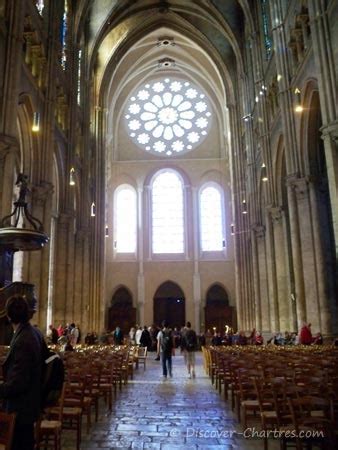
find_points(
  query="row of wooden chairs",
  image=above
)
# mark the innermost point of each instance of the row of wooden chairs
(270, 386)
(90, 378)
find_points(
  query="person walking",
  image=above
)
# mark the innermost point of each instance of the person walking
(190, 346)
(22, 370)
(166, 348)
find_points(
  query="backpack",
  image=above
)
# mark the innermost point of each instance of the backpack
(190, 340)
(53, 376)
(167, 341)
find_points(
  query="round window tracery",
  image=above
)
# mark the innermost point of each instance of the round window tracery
(168, 116)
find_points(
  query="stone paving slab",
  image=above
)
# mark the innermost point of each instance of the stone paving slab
(173, 414)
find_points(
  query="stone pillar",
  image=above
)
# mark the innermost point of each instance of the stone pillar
(323, 288)
(272, 280)
(263, 279)
(299, 294)
(7, 181)
(12, 67)
(78, 304)
(37, 263)
(197, 301)
(283, 296)
(140, 278)
(256, 286)
(71, 313)
(307, 251)
(197, 294)
(85, 284)
(330, 138)
(61, 269)
(326, 73)
(140, 299)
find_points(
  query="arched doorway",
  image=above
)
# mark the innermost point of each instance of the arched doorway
(121, 313)
(169, 304)
(217, 311)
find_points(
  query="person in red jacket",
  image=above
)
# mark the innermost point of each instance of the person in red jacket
(305, 337)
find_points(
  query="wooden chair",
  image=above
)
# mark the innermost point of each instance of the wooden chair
(141, 357)
(73, 409)
(7, 422)
(312, 422)
(48, 428)
(247, 401)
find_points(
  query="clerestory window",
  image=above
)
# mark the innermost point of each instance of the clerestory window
(211, 219)
(167, 213)
(125, 239)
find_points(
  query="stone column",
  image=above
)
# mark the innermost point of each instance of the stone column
(78, 306)
(197, 301)
(140, 278)
(323, 288)
(7, 180)
(256, 286)
(285, 93)
(197, 295)
(37, 263)
(299, 294)
(12, 67)
(61, 268)
(263, 279)
(323, 53)
(307, 250)
(85, 284)
(272, 280)
(330, 138)
(71, 313)
(283, 296)
(140, 299)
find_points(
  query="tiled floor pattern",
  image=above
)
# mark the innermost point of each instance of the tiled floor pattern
(172, 414)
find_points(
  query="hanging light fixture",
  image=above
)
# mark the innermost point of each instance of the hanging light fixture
(72, 177)
(106, 231)
(93, 210)
(264, 175)
(244, 209)
(298, 106)
(36, 122)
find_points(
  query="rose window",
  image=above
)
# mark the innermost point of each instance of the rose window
(168, 116)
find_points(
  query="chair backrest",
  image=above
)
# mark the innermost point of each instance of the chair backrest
(142, 352)
(7, 422)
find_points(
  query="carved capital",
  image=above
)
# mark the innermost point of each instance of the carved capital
(330, 131)
(42, 192)
(7, 145)
(63, 220)
(276, 214)
(82, 234)
(301, 188)
(259, 231)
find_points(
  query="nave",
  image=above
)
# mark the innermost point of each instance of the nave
(173, 414)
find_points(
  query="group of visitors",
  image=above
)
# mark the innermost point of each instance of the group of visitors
(66, 336)
(304, 337)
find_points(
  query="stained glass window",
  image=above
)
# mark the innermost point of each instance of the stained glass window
(168, 116)
(39, 6)
(125, 220)
(266, 28)
(167, 214)
(79, 77)
(63, 35)
(212, 236)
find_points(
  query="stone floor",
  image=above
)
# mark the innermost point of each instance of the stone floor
(167, 414)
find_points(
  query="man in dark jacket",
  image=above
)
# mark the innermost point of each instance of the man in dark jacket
(21, 389)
